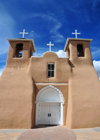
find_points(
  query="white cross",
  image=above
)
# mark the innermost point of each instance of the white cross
(50, 45)
(76, 33)
(23, 33)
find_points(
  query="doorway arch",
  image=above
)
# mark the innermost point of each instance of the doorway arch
(49, 106)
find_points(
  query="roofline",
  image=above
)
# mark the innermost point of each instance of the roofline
(31, 40)
(75, 39)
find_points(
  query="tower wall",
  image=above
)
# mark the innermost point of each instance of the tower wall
(84, 90)
(17, 90)
(17, 62)
(84, 98)
(73, 52)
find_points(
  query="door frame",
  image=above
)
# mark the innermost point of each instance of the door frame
(61, 102)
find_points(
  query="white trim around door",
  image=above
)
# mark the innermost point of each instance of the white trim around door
(49, 96)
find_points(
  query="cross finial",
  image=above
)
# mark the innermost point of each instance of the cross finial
(50, 45)
(76, 33)
(23, 33)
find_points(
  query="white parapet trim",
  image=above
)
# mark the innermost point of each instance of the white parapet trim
(51, 83)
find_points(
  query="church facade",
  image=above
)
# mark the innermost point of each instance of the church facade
(49, 90)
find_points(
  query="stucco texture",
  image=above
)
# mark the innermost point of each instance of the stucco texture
(38, 68)
(84, 90)
(24, 77)
(16, 92)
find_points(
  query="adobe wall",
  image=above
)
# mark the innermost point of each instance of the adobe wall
(84, 92)
(84, 98)
(38, 68)
(16, 93)
(17, 90)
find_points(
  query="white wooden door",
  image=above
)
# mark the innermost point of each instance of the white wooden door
(54, 113)
(49, 113)
(43, 110)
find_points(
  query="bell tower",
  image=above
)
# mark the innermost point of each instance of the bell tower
(20, 50)
(78, 50)
(84, 85)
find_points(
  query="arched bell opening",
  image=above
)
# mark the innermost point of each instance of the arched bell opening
(18, 50)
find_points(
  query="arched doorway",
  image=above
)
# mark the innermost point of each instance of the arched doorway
(49, 106)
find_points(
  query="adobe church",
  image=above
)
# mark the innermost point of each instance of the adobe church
(49, 90)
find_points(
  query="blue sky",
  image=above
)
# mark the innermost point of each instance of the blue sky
(51, 20)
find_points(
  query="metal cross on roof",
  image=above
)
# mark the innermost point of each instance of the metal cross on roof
(50, 45)
(76, 33)
(23, 33)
